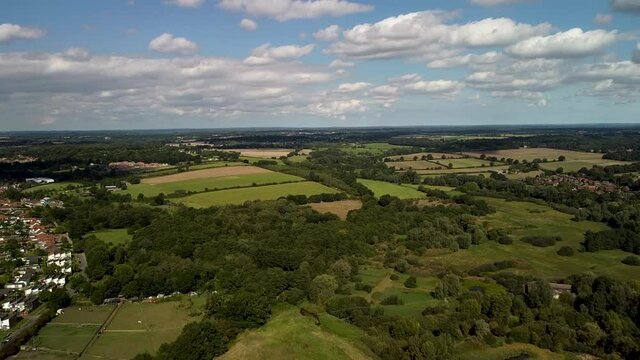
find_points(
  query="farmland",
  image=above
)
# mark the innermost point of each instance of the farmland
(419, 156)
(370, 148)
(530, 154)
(414, 165)
(381, 188)
(239, 196)
(53, 187)
(263, 153)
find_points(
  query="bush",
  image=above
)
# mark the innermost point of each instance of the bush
(541, 241)
(565, 251)
(394, 277)
(505, 239)
(631, 261)
(391, 300)
(411, 282)
(363, 287)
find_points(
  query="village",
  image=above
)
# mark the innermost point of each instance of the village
(35, 259)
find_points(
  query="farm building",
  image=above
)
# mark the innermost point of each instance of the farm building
(40, 180)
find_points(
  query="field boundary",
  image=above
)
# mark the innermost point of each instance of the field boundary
(101, 329)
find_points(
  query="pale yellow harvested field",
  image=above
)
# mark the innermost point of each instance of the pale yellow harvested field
(206, 173)
(263, 153)
(340, 208)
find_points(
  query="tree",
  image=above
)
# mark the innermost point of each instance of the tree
(159, 199)
(449, 286)
(323, 287)
(198, 340)
(411, 282)
(56, 299)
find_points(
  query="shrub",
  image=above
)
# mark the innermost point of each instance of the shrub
(565, 251)
(363, 287)
(394, 277)
(411, 282)
(631, 261)
(391, 300)
(541, 241)
(505, 239)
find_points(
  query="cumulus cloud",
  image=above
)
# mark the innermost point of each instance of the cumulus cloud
(266, 54)
(353, 87)
(603, 19)
(9, 32)
(329, 33)
(185, 3)
(167, 43)
(248, 24)
(337, 64)
(338, 108)
(473, 60)
(631, 6)
(567, 44)
(498, 2)
(428, 34)
(283, 10)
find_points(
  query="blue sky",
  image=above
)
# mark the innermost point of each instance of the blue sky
(124, 64)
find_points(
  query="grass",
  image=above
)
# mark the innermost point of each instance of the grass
(464, 163)
(436, 156)
(199, 185)
(475, 170)
(477, 351)
(289, 335)
(523, 218)
(381, 188)
(53, 187)
(143, 327)
(113, 236)
(340, 208)
(371, 148)
(239, 196)
(414, 165)
(575, 165)
(550, 154)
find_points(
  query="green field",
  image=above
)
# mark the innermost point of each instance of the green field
(380, 188)
(240, 196)
(223, 182)
(143, 327)
(475, 351)
(418, 156)
(53, 187)
(113, 236)
(524, 218)
(289, 335)
(575, 165)
(371, 148)
(464, 163)
(475, 170)
(414, 165)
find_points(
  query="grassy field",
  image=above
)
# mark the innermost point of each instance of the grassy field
(113, 236)
(54, 187)
(340, 208)
(540, 153)
(219, 182)
(414, 165)
(575, 165)
(263, 153)
(469, 351)
(71, 331)
(523, 218)
(476, 170)
(372, 148)
(464, 163)
(239, 196)
(142, 327)
(289, 335)
(436, 156)
(380, 188)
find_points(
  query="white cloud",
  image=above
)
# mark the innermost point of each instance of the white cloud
(265, 54)
(338, 108)
(329, 33)
(283, 10)
(498, 2)
(470, 59)
(635, 57)
(567, 44)
(353, 87)
(427, 35)
(167, 43)
(603, 19)
(337, 63)
(185, 3)
(534, 98)
(9, 32)
(632, 6)
(248, 24)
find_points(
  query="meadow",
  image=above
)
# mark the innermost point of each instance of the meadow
(371, 148)
(414, 165)
(381, 188)
(340, 208)
(524, 219)
(241, 195)
(289, 335)
(474, 170)
(418, 156)
(530, 154)
(263, 153)
(212, 183)
(463, 163)
(113, 236)
(53, 187)
(575, 165)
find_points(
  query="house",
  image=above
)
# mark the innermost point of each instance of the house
(40, 180)
(7, 320)
(559, 289)
(30, 304)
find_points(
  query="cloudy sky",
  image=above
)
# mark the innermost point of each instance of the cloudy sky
(138, 64)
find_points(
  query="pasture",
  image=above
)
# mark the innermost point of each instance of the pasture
(528, 219)
(263, 153)
(414, 165)
(381, 188)
(53, 187)
(463, 163)
(143, 327)
(530, 154)
(474, 170)
(261, 177)
(418, 156)
(289, 335)
(241, 195)
(340, 208)
(205, 174)
(370, 148)
(575, 165)
(113, 236)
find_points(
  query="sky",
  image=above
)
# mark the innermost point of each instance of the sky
(162, 64)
